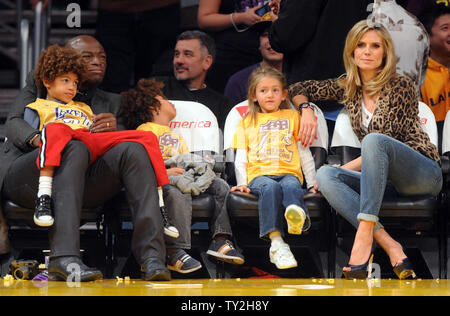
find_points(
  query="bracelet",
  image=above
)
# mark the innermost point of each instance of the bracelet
(234, 25)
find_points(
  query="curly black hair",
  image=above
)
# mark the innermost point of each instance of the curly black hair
(138, 103)
(56, 61)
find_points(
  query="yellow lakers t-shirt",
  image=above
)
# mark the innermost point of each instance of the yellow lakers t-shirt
(74, 114)
(170, 143)
(436, 89)
(271, 144)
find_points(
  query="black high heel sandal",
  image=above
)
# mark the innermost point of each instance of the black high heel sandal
(404, 270)
(361, 271)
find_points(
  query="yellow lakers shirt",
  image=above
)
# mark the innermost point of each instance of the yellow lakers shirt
(436, 89)
(271, 144)
(74, 114)
(170, 143)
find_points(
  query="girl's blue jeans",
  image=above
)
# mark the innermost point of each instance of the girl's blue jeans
(274, 194)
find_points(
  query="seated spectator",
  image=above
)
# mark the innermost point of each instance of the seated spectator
(193, 57)
(79, 184)
(269, 163)
(230, 23)
(147, 109)
(237, 86)
(135, 34)
(383, 109)
(435, 91)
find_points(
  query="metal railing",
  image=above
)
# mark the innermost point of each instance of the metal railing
(30, 50)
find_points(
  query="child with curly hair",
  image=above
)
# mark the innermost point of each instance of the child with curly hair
(60, 120)
(146, 108)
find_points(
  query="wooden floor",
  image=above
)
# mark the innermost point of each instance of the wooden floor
(229, 287)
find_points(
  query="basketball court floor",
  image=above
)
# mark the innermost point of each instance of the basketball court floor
(229, 287)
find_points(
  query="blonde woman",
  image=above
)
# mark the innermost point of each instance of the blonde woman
(395, 154)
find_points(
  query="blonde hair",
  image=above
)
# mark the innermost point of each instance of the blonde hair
(256, 76)
(352, 81)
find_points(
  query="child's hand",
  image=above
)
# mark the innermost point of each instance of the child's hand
(315, 188)
(35, 141)
(240, 188)
(175, 172)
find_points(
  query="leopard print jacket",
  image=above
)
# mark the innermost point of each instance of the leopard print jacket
(396, 114)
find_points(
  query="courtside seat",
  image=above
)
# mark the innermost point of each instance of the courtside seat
(244, 206)
(344, 142)
(405, 215)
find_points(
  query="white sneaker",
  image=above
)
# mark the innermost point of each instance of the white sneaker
(295, 217)
(281, 255)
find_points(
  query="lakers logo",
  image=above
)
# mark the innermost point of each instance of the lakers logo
(274, 141)
(72, 117)
(169, 145)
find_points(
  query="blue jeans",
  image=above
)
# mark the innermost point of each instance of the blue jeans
(389, 167)
(274, 194)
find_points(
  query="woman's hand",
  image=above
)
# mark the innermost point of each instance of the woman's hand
(171, 172)
(209, 18)
(240, 188)
(248, 17)
(308, 122)
(308, 127)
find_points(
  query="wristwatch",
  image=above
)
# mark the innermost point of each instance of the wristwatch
(305, 105)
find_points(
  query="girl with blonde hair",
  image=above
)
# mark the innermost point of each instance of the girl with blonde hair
(269, 163)
(396, 154)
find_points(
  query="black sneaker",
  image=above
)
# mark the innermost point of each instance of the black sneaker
(181, 262)
(43, 214)
(225, 251)
(169, 229)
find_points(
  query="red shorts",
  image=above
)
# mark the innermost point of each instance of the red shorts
(55, 137)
